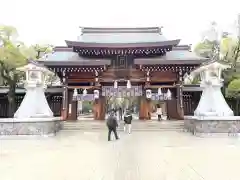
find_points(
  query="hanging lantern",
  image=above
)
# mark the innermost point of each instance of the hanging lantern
(169, 95)
(115, 85)
(96, 79)
(128, 84)
(75, 94)
(96, 94)
(148, 93)
(84, 92)
(159, 91)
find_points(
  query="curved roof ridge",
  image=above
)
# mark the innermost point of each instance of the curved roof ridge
(121, 30)
(183, 47)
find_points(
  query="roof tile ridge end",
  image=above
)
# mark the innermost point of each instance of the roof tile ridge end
(63, 48)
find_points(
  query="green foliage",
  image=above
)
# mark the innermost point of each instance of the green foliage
(8, 32)
(204, 48)
(87, 106)
(233, 89)
(11, 55)
(14, 54)
(196, 80)
(229, 53)
(40, 50)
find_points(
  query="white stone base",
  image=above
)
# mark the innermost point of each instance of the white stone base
(205, 126)
(29, 126)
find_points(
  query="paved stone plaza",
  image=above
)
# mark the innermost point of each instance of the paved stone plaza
(140, 156)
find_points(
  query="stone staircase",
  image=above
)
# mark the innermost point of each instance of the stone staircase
(91, 125)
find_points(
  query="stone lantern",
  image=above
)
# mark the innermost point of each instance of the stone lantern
(34, 103)
(212, 102)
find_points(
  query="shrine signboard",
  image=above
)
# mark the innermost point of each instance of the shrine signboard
(87, 97)
(156, 97)
(122, 91)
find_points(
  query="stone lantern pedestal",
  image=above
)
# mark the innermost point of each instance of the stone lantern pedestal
(212, 115)
(34, 116)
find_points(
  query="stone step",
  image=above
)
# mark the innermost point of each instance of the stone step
(136, 125)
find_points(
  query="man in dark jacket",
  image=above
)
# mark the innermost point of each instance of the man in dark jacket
(112, 125)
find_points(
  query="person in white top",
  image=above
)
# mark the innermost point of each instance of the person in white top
(159, 112)
(127, 121)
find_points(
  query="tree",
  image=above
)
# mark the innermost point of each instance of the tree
(11, 57)
(225, 50)
(233, 89)
(41, 50)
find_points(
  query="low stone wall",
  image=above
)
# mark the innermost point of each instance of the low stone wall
(201, 127)
(36, 126)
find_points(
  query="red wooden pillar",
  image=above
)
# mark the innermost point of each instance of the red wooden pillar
(71, 106)
(64, 110)
(95, 109)
(102, 108)
(145, 109)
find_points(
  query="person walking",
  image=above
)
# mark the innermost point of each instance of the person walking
(120, 113)
(112, 125)
(159, 112)
(128, 121)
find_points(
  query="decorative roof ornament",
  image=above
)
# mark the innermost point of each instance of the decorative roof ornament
(81, 30)
(190, 47)
(160, 30)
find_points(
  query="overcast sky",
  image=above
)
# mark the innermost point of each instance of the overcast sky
(52, 21)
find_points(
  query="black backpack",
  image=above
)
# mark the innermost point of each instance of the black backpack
(111, 121)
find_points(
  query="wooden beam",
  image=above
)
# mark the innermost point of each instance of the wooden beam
(84, 87)
(80, 80)
(160, 86)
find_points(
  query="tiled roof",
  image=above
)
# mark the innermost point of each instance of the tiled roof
(71, 58)
(173, 57)
(120, 36)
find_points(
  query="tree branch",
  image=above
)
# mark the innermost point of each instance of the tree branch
(4, 69)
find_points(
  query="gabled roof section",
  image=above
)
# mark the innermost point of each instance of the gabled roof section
(122, 37)
(64, 56)
(179, 55)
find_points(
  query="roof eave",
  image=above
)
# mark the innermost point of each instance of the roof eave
(169, 62)
(76, 63)
(122, 45)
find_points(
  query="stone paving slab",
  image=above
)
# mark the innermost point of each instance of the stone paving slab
(139, 156)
